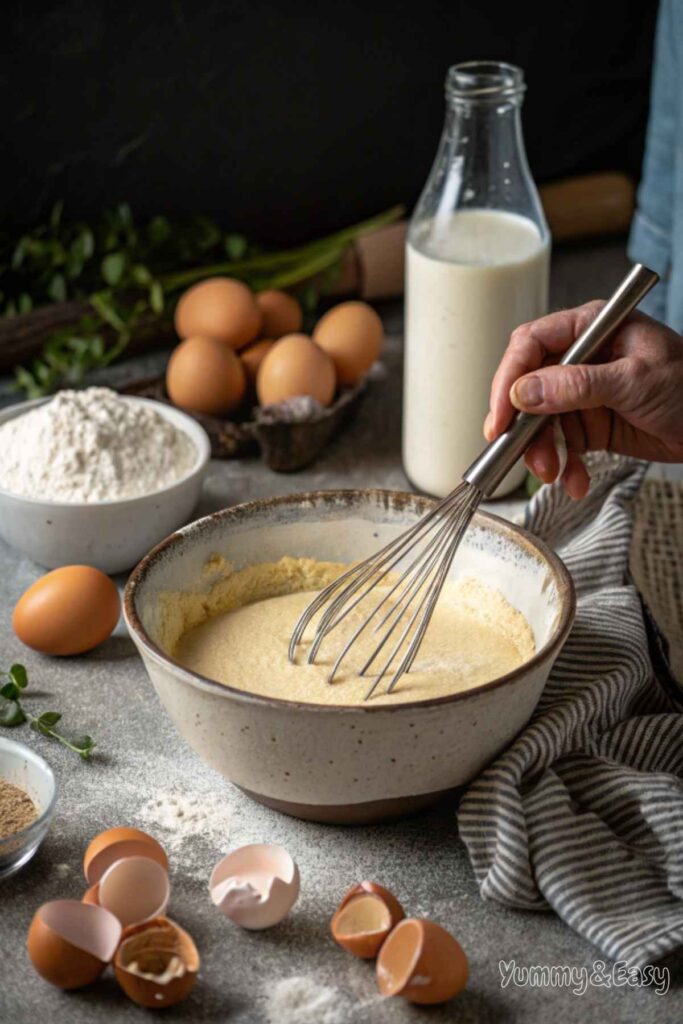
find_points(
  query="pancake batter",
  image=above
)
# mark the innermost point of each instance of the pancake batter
(238, 634)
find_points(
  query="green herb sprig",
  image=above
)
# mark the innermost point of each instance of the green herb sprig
(13, 713)
(131, 275)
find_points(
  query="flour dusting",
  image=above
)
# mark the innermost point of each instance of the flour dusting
(303, 1000)
(180, 818)
(92, 445)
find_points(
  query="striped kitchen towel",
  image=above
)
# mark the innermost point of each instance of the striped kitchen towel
(583, 814)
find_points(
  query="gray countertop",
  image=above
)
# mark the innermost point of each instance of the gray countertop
(142, 768)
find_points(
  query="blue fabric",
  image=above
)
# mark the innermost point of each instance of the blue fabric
(657, 231)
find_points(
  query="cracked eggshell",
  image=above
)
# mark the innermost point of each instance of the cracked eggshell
(134, 890)
(70, 943)
(92, 895)
(422, 962)
(256, 886)
(361, 924)
(156, 963)
(395, 909)
(117, 844)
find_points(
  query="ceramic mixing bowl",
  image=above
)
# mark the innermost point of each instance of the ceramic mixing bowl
(348, 764)
(109, 535)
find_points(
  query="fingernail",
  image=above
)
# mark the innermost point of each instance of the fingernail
(487, 426)
(527, 391)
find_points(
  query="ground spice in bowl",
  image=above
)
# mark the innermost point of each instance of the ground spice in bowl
(17, 810)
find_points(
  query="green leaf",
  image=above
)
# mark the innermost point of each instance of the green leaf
(113, 265)
(83, 246)
(49, 718)
(25, 303)
(19, 676)
(19, 253)
(10, 691)
(11, 715)
(83, 745)
(235, 246)
(156, 297)
(141, 275)
(57, 288)
(56, 214)
(158, 230)
(309, 298)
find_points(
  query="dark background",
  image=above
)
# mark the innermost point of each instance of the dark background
(285, 120)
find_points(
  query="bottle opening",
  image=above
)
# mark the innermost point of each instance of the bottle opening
(484, 80)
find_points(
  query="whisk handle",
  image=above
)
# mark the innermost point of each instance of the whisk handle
(496, 461)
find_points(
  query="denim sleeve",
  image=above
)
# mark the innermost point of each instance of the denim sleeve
(650, 241)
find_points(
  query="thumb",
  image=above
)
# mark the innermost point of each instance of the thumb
(557, 389)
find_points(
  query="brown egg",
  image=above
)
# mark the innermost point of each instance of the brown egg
(204, 376)
(352, 335)
(281, 313)
(295, 366)
(156, 963)
(220, 308)
(70, 943)
(117, 844)
(253, 356)
(422, 962)
(67, 611)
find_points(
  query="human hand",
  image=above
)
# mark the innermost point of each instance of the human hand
(630, 402)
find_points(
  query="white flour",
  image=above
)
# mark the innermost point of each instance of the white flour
(303, 1000)
(92, 445)
(178, 819)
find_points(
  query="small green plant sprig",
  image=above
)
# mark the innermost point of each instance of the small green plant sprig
(131, 276)
(13, 713)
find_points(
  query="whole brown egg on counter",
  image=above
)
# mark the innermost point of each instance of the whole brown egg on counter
(205, 376)
(296, 366)
(67, 611)
(221, 308)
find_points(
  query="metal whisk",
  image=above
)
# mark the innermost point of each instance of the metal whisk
(431, 544)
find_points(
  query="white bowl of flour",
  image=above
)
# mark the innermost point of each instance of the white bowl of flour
(95, 478)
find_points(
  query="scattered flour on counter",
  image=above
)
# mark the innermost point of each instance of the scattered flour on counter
(183, 817)
(92, 445)
(303, 1000)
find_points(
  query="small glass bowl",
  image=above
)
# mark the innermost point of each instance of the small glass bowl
(26, 769)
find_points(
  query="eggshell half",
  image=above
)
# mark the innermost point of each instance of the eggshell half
(256, 886)
(70, 943)
(92, 895)
(422, 962)
(395, 909)
(134, 890)
(361, 924)
(156, 963)
(117, 844)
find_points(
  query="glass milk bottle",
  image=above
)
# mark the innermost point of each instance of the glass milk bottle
(477, 265)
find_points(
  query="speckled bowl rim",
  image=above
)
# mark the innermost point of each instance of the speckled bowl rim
(394, 499)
